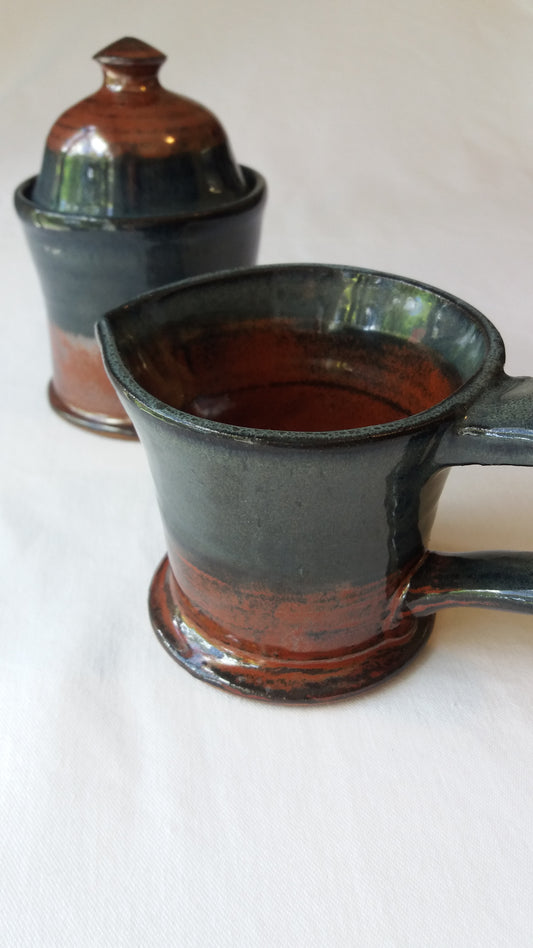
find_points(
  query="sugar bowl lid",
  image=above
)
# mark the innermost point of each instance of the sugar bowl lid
(134, 149)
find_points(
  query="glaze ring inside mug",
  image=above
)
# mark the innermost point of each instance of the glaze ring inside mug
(300, 422)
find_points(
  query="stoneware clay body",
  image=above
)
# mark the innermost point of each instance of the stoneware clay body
(299, 422)
(138, 188)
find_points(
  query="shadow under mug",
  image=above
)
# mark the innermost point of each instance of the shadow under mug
(299, 422)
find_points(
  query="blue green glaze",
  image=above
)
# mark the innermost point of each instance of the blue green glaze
(87, 265)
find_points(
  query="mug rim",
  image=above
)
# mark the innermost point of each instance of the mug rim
(453, 405)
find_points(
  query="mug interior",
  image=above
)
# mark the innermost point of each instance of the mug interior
(302, 348)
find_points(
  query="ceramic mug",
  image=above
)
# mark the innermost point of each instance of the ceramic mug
(299, 422)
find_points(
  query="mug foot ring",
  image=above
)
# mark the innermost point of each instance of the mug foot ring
(268, 678)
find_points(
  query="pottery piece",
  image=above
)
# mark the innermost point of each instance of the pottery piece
(138, 188)
(300, 422)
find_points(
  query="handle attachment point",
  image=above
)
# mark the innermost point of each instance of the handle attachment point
(496, 580)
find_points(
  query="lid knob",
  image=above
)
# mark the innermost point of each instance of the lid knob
(128, 62)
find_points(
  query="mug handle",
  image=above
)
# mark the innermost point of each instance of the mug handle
(491, 580)
(497, 429)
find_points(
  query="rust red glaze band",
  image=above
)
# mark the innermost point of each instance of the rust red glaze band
(253, 618)
(314, 647)
(81, 389)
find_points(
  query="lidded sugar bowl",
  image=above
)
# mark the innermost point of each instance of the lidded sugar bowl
(138, 188)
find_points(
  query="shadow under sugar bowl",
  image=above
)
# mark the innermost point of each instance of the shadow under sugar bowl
(300, 422)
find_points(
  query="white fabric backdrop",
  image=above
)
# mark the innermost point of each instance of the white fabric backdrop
(138, 806)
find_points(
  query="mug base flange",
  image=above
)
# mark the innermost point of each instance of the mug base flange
(291, 682)
(98, 424)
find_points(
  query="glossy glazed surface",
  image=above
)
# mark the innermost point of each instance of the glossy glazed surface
(135, 149)
(297, 559)
(277, 676)
(86, 265)
(138, 188)
(266, 374)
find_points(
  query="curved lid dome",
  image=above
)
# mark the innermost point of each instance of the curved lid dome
(135, 149)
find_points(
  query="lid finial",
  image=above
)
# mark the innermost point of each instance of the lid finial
(129, 51)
